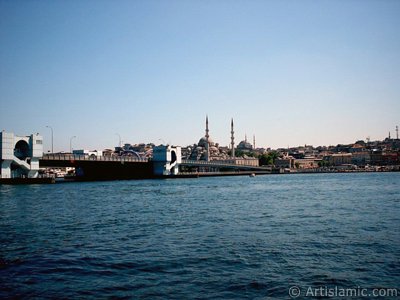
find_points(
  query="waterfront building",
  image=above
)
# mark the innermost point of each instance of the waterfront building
(307, 162)
(19, 155)
(286, 162)
(243, 161)
(340, 159)
(384, 158)
(361, 158)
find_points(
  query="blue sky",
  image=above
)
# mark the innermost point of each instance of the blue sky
(290, 72)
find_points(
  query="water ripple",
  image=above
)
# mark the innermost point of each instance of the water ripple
(215, 238)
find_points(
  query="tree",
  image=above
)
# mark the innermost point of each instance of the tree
(264, 160)
(323, 163)
(268, 159)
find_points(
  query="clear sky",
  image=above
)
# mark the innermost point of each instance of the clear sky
(290, 72)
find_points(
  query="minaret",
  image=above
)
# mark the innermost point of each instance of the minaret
(207, 135)
(397, 132)
(232, 141)
(207, 138)
(254, 141)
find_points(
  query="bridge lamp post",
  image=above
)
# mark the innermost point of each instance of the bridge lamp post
(119, 139)
(52, 149)
(70, 143)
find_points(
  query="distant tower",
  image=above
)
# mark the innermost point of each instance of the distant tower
(389, 135)
(207, 138)
(397, 132)
(245, 137)
(232, 141)
(254, 141)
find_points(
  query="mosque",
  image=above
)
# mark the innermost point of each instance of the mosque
(207, 150)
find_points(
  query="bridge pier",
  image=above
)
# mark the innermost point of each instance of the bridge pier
(19, 155)
(166, 160)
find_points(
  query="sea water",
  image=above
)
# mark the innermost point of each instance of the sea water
(204, 238)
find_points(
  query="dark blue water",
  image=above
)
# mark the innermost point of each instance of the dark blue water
(228, 237)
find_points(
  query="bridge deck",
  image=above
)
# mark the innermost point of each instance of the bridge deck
(220, 164)
(113, 165)
(78, 157)
(100, 168)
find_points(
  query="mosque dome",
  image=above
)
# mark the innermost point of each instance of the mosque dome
(244, 145)
(203, 142)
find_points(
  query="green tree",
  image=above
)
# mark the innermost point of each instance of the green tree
(323, 163)
(268, 158)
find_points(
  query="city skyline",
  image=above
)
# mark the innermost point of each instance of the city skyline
(291, 73)
(392, 135)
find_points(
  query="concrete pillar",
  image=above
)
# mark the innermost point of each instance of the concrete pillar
(6, 169)
(166, 160)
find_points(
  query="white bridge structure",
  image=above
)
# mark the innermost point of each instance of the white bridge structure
(166, 160)
(19, 155)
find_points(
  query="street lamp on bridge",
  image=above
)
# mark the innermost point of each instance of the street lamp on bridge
(119, 139)
(52, 149)
(70, 143)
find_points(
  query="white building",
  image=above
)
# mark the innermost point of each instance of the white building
(20, 155)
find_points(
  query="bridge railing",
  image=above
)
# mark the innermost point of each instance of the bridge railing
(228, 163)
(92, 158)
(206, 163)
